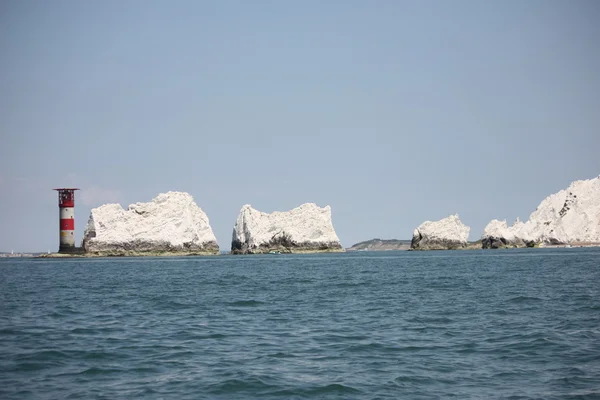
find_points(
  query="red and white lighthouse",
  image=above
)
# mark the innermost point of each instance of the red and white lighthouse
(66, 206)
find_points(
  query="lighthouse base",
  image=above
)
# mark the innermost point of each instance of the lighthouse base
(66, 249)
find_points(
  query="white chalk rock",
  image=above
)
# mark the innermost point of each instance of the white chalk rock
(571, 216)
(499, 234)
(447, 233)
(307, 228)
(170, 223)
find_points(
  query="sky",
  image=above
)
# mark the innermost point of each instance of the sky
(391, 112)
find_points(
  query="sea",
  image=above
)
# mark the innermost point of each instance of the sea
(482, 324)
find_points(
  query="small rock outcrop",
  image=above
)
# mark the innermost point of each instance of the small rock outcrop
(171, 223)
(304, 229)
(571, 216)
(446, 234)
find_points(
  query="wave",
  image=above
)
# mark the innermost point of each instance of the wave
(333, 388)
(234, 386)
(386, 348)
(351, 284)
(282, 355)
(100, 371)
(524, 299)
(431, 320)
(246, 303)
(412, 380)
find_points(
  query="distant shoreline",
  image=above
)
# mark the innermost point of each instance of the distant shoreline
(380, 245)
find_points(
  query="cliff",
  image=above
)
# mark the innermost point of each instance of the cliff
(446, 234)
(571, 216)
(171, 223)
(307, 228)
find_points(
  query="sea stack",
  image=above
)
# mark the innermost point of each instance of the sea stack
(446, 234)
(571, 216)
(497, 234)
(171, 224)
(304, 229)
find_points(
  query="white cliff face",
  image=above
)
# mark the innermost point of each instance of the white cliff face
(305, 228)
(447, 233)
(170, 223)
(569, 216)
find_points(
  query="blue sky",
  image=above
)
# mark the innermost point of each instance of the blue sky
(392, 112)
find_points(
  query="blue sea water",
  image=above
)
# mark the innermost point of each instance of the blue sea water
(510, 324)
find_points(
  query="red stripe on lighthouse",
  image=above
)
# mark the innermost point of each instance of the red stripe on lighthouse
(67, 224)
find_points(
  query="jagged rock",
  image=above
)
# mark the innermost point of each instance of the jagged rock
(307, 228)
(171, 223)
(571, 216)
(446, 234)
(498, 235)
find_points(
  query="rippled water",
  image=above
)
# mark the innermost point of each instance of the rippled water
(465, 324)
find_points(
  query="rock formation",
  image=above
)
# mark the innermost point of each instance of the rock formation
(446, 234)
(304, 229)
(571, 216)
(171, 223)
(497, 234)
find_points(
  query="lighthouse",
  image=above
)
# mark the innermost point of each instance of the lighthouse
(66, 206)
